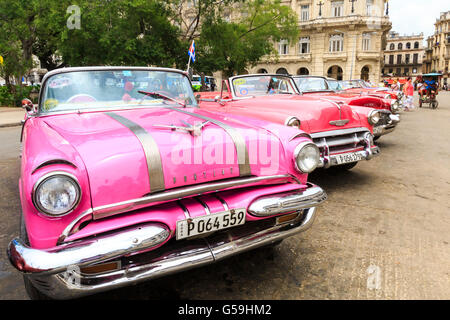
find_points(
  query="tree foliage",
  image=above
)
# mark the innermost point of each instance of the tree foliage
(141, 33)
(233, 46)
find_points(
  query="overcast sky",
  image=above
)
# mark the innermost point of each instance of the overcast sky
(416, 16)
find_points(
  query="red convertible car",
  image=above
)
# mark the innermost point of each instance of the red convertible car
(362, 87)
(343, 134)
(329, 88)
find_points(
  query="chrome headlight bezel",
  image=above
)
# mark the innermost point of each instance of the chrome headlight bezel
(395, 106)
(374, 117)
(302, 147)
(292, 122)
(56, 175)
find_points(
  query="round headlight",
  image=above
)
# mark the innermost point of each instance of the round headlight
(374, 117)
(395, 107)
(307, 157)
(56, 194)
(293, 122)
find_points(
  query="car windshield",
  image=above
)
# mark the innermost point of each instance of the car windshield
(78, 90)
(196, 79)
(334, 85)
(262, 85)
(349, 84)
(311, 84)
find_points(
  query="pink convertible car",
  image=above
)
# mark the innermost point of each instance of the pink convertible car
(124, 179)
(343, 134)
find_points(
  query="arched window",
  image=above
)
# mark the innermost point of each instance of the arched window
(303, 72)
(416, 45)
(408, 45)
(335, 72)
(365, 73)
(392, 47)
(262, 70)
(282, 71)
(400, 46)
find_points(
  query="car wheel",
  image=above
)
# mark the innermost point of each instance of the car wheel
(375, 139)
(31, 290)
(420, 102)
(434, 105)
(346, 166)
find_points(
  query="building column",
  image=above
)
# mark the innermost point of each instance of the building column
(318, 46)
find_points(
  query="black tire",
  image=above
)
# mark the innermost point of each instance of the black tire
(31, 290)
(347, 166)
(420, 102)
(434, 104)
(375, 139)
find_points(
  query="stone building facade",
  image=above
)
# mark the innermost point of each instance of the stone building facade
(340, 39)
(403, 55)
(438, 48)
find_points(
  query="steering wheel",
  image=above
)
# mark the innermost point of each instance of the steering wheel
(81, 98)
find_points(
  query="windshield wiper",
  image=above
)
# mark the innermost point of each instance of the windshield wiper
(160, 95)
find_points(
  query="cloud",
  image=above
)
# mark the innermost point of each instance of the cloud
(416, 16)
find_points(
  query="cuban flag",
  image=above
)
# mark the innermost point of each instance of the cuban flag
(191, 51)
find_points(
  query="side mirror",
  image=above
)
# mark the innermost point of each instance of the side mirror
(27, 104)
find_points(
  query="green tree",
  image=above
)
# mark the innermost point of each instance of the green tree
(234, 46)
(126, 32)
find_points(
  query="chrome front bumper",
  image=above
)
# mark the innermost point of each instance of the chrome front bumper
(329, 159)
(48, 269)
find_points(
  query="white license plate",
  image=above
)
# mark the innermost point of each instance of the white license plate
(349, 157)
(212, 222)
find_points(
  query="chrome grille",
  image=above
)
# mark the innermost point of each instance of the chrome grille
(340, 141)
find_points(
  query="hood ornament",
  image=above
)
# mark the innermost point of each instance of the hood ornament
(341, 122)
(194, 130)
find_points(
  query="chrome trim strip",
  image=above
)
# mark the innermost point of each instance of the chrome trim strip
(185, 210)
(204, 205)
(70, 229)
(151, 150)
(324, 134)
(224, 204)
(51, 162)
(238, 139)
(177, 193)
(300, 135)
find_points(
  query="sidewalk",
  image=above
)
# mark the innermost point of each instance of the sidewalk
(11, 117)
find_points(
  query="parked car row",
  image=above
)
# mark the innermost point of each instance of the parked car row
(122, 185)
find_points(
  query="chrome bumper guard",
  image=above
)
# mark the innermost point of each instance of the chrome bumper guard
(49, 268)
(327, 159)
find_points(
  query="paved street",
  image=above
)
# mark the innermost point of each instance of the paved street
(384, 233)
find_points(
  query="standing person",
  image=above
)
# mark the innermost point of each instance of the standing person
(395, 86)
(408, 90)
